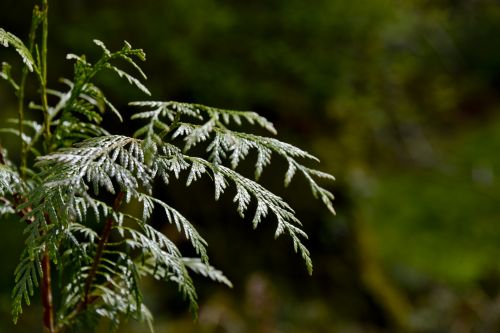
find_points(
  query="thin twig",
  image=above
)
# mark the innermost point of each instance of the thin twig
(43, 83)
(21, 90)
(48, 306)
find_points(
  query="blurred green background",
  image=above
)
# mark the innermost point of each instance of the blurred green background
(400, 101)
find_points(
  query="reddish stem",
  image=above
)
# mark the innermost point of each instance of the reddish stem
(48, 307)
(98, 255)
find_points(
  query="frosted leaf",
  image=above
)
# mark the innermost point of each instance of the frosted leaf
(197, 170)
(260, 212)
(26, 60)
(216, 150)
(290, 172)
(183, 129)
(177, 164)
(263, 159)
(240, 149)
(220, 184)
(198, 134)
(242, 198)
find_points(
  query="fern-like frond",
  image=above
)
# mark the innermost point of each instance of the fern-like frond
(27, 273)
(171, 110)
(226, 144)
(266, 202)
(237, 145)
(211, 126)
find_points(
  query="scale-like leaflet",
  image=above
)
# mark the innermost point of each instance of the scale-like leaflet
(78, 244)
(117, 293)
(29, 139)
(91, 102)
(6, 74)
(156, 128)
(199, 267)
(7, 38)
(173, 111)
(318, 191)
(41, 239)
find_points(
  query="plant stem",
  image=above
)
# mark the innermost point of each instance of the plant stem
(97, 259)
(43, 92)
(48, 308)
(34, 25)
(87, 299)
(100, 248)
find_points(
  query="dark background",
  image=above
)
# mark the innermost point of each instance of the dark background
(399, 100)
